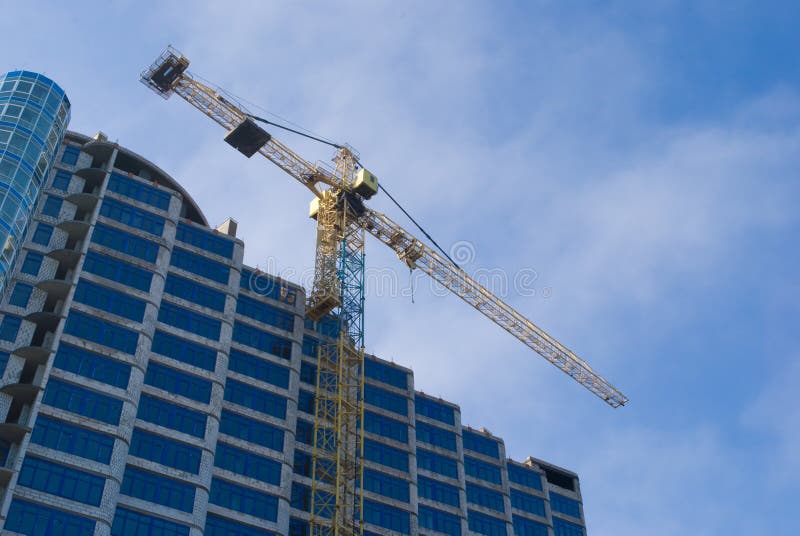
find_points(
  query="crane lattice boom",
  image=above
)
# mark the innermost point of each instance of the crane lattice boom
(230, 115)
(417, 255)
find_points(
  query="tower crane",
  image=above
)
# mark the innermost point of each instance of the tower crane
(343, 218)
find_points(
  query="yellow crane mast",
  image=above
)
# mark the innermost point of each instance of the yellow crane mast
(338, 291)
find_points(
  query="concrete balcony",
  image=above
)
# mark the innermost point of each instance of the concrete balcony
(100, 150)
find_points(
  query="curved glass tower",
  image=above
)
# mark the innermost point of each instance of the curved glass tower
(34, 113)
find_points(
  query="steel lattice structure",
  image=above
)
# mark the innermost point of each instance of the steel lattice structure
(338, 290)
(417, 255)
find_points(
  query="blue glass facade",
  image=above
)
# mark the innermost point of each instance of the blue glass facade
(34, 113)
(171, 389)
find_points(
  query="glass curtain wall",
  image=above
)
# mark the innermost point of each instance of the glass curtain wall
(34, 113)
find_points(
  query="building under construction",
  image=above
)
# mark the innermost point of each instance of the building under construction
(154, 384)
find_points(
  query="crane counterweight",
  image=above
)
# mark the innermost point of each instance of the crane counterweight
(248, 138)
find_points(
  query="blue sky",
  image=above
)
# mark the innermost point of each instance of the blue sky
(641, 157)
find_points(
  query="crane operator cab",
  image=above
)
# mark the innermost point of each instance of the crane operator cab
(365, 185)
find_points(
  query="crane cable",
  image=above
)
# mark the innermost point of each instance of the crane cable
(284, 127)
(239, 102)
(381, 186)
(423, 231)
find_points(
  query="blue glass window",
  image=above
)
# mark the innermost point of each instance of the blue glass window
(265, 313)
(434, 410)
(248, 464)
(306, 401)
(3, 362)
(436, 436)
(182, 318)
(482, 470)
(60, 480)
(485, 497)
(183, 350)
(194, 292)
(308, 373)
(302, 463)
(388, 486)
(61, 180)
(171, 416)
(387, 517)
(132, 216)
(385, 373)
(101, 332)
(245, 500)
(20, 295)
(165, 451)
(434, 490)
(109, 300)
(481, 444)
(32, 263)
(261, 340)
(42, 234)
(205, 239)
(191, 262)
(298, 527)
(70, 155)
(115, 270)
(385, 399)
(391, 428)
(131, 523)
(157, 489)
(139, 191)
(304, 431)
(36, 520)
(484, 524)
(177, 382)
(525, 501)
(257, 432)
(436, 463)
(220, 526)
(92, 365)
(258, 368)
(565, 505)
(385, 455)
(301, 500)
(310, 346)
(9, 327)
(255, 399)
(528, 527)
(565, 528)
(328, 326)
(68, 397)
(52, 206)
(267, 286)
(436, 520)
(125, 242)
(66, 437)
(524, 477)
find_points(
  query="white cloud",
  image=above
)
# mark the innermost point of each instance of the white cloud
(662, 483)
(673, 212)
(775, 418)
